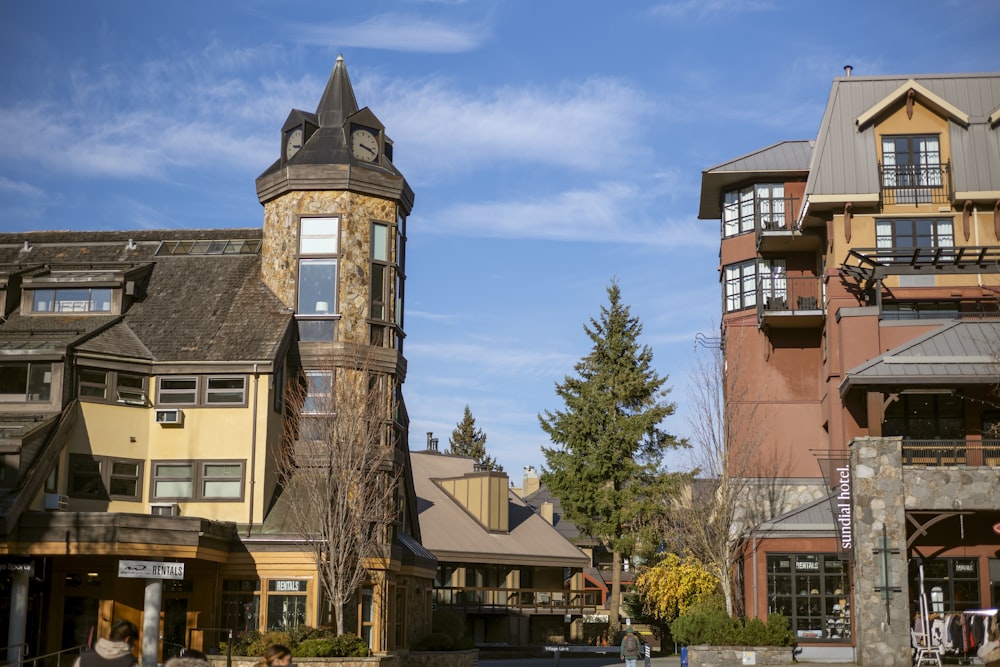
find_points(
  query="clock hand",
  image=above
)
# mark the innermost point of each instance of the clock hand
(369, 149)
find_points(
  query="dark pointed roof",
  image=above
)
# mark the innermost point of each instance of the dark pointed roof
(325, 162)
(338, 101)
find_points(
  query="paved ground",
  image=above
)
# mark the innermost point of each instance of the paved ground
(609, 661)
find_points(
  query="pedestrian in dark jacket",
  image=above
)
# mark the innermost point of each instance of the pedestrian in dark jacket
(115, 651)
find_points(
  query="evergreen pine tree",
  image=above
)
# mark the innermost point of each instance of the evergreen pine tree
(467, 440)
(608, 445)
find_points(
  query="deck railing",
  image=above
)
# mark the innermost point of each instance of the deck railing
(520, 600)
(982, 453)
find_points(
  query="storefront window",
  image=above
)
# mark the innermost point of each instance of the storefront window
(241, 604)
(813, 592)
(951, 584)
(286, 604)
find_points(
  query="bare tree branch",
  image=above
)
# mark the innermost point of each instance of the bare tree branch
(738, 479)
(341, 472)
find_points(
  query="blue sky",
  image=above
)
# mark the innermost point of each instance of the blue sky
(551, 145)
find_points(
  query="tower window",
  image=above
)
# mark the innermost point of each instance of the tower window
(318, 257)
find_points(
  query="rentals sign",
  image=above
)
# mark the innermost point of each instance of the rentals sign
(147, 569)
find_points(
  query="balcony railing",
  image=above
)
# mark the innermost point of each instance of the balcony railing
(789, 296)
(519, 600)
(915, 184)
(981, 453)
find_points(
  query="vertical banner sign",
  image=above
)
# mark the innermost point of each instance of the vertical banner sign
(837, 472)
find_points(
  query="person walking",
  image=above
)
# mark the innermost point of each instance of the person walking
(630, 647)
(115, 651)
(276, 655)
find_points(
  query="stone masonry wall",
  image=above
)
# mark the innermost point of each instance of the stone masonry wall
(883, 632)
(280, 249)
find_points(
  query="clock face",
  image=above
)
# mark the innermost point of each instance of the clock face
(294, 143)
(364, 145)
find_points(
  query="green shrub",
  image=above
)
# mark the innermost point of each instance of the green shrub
(304, 642)
(349, 646)
(704, 624)
(314, 648)
(711, 625)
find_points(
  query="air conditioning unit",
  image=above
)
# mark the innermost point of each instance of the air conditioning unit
(165, 510)
(55, 502)
(172, 417)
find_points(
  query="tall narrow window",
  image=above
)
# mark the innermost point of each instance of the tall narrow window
(737, 211)
(773, 283)
(740, 284)
(318, 257)
(380, 270)
(771, 206)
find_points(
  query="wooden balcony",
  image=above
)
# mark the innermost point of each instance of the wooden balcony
(978, 453)
(523, 601)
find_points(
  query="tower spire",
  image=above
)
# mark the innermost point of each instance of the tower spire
(338, 101)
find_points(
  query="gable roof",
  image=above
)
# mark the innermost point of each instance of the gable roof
(453, 535)
(961, 352)
(845, 161)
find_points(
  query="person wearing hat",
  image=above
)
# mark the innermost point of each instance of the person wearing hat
(630, 647)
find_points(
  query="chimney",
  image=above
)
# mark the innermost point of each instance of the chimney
(847, 70)
(432, 442)
(531, 481)
(547, 512)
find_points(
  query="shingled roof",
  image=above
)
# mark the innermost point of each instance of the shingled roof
(194, 307)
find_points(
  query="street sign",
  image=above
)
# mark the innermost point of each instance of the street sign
(148, 569)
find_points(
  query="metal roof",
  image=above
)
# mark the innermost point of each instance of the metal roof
(780, 160)
(845, 161)
(961, 352)
(451, 533)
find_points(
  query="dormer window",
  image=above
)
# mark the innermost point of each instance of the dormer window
(71, 300)
(84, 290)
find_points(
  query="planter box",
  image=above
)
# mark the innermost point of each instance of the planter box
(727, 656)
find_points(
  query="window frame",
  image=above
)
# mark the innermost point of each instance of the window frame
(79, 464)
(113, 387)
(197, 478)
(917, 159)
(735, 295)
(202, 391)
(821, 607)
(45, 388)
(93, 294)
(888, 233)
(317, 249)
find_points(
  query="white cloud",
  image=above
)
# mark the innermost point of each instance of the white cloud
(630, 213)
(394, 32)
(683, 9)
(19, 188)
(575, 125)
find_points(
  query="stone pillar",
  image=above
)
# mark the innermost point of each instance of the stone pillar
(882, 627)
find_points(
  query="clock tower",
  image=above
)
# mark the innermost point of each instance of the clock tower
(334, 239)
